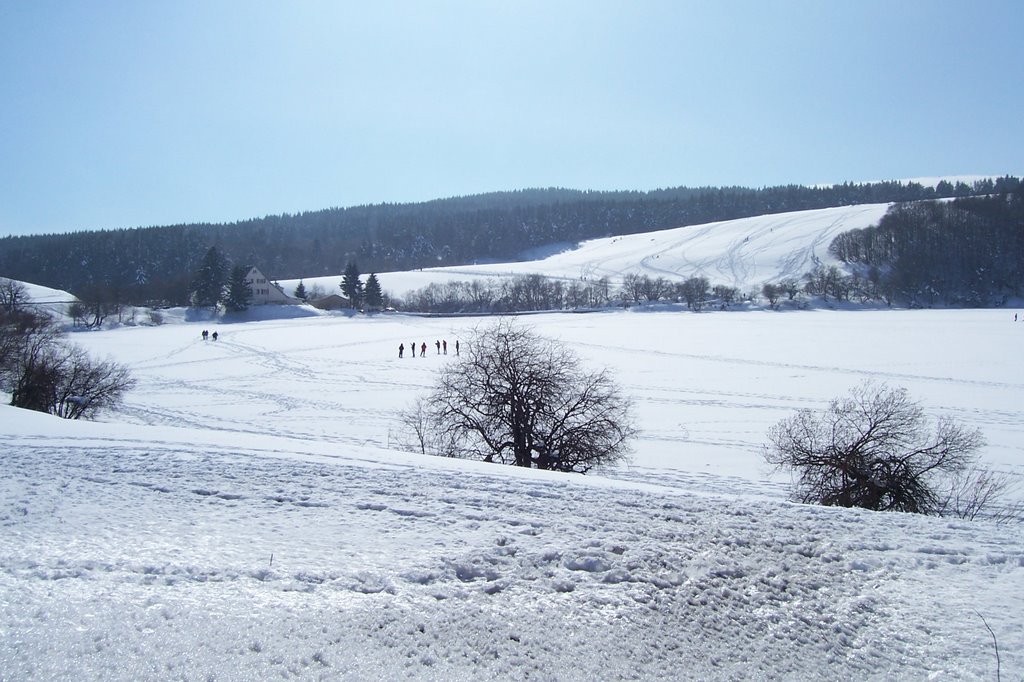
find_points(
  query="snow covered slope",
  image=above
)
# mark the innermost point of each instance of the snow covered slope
(41, 294)
(45, 295)
(245, 516)
(743, 253)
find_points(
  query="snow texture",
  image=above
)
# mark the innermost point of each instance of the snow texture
(247, 515)
(743, 253)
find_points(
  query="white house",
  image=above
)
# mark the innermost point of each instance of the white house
(264, 291)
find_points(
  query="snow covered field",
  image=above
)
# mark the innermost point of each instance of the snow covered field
(246, 515)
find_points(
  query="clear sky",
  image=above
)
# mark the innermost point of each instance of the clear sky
(150, 112)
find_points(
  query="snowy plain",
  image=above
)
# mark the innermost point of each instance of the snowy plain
(248, 515)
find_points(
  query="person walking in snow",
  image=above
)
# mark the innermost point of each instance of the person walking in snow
(438, 344)
(423, 349)
(215, 336)
(206, 332)
(413, 346)
(401, 349)
(456, 346)
(444, 345)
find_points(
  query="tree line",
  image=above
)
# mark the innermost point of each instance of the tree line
(964, 252)
(534, 292)
(154, 265)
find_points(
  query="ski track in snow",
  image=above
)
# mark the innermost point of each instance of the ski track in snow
(245, 516)
(744, 253)
(271, 533)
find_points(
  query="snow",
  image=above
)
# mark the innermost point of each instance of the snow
(45, 295)
(742, 253)
(246, 515)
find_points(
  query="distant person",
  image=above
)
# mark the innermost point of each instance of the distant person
(413, 346)
(444, 345)
(215, 336)
(438, 344)
(423, 349)
(401, 349)
(206, 332)
(456, 346)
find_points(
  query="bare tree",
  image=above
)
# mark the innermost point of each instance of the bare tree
(695, 292)
(517, 398)
(19, 329)
(872, 449)
(63, 380)
(982, 493)
(46, 374)
(790, 287)
(655, 289)
(13, 295)
(726, 294)
(419, 433)
(87, 386)
(633, 287)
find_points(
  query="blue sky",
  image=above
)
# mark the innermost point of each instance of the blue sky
(137, 113)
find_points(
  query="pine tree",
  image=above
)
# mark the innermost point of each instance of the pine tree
(351, 286)
(300, 291)
(207, 287)
(372, 294)
(239, 295)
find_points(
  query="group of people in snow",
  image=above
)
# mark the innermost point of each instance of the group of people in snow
(207, 335)
(440, 344)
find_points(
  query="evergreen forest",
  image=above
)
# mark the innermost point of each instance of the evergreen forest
(156, 265)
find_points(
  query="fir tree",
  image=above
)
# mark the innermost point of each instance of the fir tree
(239, 294)
(351, 286)
(372, 294)
(300, 291)
(207, 287)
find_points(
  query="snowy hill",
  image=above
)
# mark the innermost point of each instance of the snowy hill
(41, 294)
(743, 253)
(246, 515)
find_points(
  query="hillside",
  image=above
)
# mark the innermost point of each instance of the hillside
(246, 514)
(743, 253)
(158, 263)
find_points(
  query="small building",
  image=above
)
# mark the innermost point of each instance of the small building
(331, 302)
(265, 291)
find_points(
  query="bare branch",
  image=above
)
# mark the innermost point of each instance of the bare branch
(874, 449)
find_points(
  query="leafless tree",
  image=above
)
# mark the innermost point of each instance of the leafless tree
(633, 287)
(517, 398)
(13, 295)
(63, 380)
(19, 329)
(726, 294)
(656, 288)
(420, 434)
(790, 287)
(87, 385)
(695, 292)
(872, 449)
(44, 373)
(772, 292)
(983, 493)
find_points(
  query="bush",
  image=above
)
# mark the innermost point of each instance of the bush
(874, 449)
